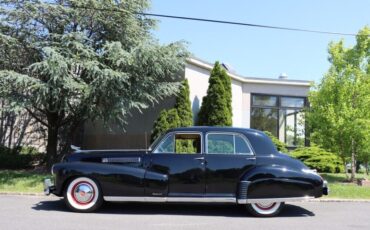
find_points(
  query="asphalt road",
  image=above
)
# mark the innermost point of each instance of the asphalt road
(32, 212)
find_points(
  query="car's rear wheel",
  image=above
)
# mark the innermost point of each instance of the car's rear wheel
(265, 209)
(83, 194)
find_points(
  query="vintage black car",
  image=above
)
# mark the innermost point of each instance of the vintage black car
(194, 164)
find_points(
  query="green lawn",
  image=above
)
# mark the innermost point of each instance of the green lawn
(339, 188)
(32, 182)
(21, 181)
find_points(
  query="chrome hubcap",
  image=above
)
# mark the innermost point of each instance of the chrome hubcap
(83, 193)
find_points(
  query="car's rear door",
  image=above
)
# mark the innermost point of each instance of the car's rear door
(228, 157)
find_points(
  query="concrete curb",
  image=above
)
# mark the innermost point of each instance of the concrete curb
(341, 200)
(21, 194)
(312, 200)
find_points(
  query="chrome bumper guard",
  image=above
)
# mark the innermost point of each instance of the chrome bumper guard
(325, 188)
(48, 186)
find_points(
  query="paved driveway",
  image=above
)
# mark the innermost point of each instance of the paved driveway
(28, 213)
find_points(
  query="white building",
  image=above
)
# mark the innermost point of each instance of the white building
(263, 103)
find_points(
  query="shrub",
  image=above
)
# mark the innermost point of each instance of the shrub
(281, 146)
(18, 159)
(319, 159)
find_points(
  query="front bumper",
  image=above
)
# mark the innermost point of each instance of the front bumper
(325, 188)
(49, 187)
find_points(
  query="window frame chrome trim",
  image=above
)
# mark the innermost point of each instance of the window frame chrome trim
(253, 153)
(180, 132)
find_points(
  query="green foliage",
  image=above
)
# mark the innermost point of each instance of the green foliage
(340, 105)
(65, 64)
(183, 105)
(216, 105)
(281, 146)
(319, 159)
(179, 116)
(161, 125)
(21, 181)
(22, 158)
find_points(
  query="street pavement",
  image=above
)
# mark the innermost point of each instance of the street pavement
(38, 212)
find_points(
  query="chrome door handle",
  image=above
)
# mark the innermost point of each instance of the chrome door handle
(199, 158)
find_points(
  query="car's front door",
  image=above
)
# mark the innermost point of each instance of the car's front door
(228, 157)
(179, 160)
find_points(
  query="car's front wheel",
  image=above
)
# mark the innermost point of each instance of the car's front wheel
(83, 194)
(265, 209)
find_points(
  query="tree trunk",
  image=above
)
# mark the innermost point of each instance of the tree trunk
(353, 161)
(52, 142)
(367, 167)
(345, 166)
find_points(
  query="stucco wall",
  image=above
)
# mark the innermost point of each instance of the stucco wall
(98, 136)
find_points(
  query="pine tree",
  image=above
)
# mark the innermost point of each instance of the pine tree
(161, 125)
(216, 106)
(183, 105)
(65, 63)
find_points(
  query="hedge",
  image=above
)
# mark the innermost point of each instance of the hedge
(22, 158)
(319, 159)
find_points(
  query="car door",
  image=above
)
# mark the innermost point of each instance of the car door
(179, 161)
(228, 157)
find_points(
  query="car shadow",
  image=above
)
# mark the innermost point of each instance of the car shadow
(173, 209)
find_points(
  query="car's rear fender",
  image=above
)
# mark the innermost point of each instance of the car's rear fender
(277, 181)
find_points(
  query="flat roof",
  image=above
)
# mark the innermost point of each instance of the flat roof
(258, 80)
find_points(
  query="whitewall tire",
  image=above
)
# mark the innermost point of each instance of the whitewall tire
(265, 209)
(83, 194)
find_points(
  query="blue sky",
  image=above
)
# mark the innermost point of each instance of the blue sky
(260, 52)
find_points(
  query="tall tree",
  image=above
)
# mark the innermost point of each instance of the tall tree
(179, 116)
(183, 105)
(66, 62)
(340, 104)
(216, 105)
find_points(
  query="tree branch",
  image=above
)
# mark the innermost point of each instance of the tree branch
(36, 118)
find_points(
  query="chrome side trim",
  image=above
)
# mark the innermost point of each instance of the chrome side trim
(121, 160)
(202, 199)
(287, 199)
(171, 199)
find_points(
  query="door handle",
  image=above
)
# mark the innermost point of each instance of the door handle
(199, 158)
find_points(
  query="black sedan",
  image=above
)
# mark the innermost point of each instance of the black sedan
(195, 164)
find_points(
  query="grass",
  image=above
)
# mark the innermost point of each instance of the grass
(21, 181)
(32, 182)
(340, 188)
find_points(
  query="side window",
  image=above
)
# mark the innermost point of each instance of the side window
(188, 143)
(227, 144)
(220, 143)
(241, 147)
(181, 143)
(167, 146)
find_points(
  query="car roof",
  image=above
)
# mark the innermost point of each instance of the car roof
(214, 129)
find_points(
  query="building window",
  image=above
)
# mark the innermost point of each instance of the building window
(280, 115)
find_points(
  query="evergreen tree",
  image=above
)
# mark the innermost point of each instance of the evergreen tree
(161, 125)
(65, 62)
(179, 116)
(183, 105)
(216, 106)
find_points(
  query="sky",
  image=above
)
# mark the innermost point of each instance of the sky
(258, 52)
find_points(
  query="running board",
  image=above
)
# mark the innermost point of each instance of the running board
(202, 199)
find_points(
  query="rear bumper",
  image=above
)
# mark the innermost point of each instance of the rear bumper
(49, 187)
